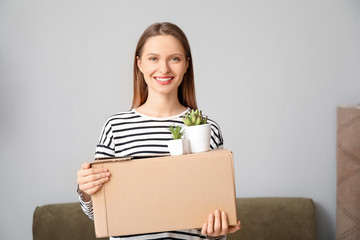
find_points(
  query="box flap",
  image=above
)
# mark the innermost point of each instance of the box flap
(125, 158)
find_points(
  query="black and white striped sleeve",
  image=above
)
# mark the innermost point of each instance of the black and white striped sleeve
(87, 207)
(106, 147)
(217, 140)
(222, 237)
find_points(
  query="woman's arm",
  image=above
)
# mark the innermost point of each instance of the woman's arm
(90, 180)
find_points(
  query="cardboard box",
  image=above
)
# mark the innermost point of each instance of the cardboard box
(164, 193)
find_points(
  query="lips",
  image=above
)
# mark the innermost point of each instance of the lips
(164, 80)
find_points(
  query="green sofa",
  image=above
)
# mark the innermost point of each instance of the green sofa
(261, 218)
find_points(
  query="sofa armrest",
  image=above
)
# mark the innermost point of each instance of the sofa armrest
(275, 218)
(62, 222)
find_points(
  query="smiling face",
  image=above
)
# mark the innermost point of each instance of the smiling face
(163, 64)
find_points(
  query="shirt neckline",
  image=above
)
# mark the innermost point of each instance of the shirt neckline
(159, 118)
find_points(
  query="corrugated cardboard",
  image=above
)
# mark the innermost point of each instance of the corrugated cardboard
(164, 193)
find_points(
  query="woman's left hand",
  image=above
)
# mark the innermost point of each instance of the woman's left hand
(217, 225)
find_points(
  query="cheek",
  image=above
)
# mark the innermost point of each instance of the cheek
(149, 69)
(147, 78)
(183, 70)
(179, 69)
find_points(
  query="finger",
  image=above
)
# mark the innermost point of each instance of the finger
(210, 225)
(93, 190)
(91, 171)
(224, 223)
(92, 178)
(85, 165)
(204, 229)
(217, 223)
(89, 185)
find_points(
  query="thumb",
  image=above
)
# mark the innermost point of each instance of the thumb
(85, 165)
(235, 228)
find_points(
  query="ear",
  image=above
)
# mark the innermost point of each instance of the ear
(187, 64)
(139, 63)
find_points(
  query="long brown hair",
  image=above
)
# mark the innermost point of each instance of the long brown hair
(186, 90)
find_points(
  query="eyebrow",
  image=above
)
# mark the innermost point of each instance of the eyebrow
(169, 55)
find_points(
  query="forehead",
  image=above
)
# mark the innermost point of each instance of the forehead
(163, 44)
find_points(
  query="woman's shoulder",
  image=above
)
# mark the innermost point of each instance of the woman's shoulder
(213, 123)
(216, 134)
(122, 116)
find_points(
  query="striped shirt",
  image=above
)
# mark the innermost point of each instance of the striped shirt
(134, 134)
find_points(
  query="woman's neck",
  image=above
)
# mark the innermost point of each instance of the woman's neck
(161, 106)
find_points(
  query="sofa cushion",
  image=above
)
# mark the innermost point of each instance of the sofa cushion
(275, 219)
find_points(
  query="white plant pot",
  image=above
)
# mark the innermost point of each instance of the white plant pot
(199, 137)
(178, 147)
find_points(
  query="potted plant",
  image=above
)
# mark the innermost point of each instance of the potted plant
(178, 145)
(197, 130)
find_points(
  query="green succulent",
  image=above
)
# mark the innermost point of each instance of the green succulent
(176, 132)
(194, 117)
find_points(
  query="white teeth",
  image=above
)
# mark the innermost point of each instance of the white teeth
(163, 79)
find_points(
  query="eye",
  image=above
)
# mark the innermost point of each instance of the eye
(175, 59)
(153, 59)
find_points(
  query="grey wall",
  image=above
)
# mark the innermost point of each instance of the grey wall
(271, 73)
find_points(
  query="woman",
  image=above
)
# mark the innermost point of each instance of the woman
(163, 92)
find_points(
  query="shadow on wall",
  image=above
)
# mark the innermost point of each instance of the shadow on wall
(323, 221)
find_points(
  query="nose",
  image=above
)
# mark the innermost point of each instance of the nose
(164, 67)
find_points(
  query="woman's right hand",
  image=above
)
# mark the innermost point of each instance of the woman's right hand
(90, 180)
